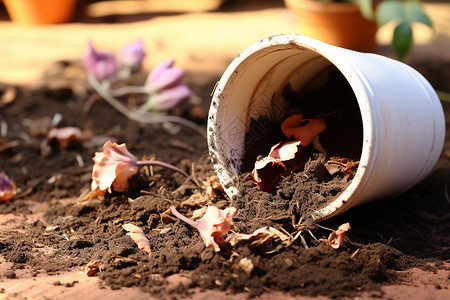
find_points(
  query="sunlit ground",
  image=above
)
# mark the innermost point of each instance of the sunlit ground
(200, 41)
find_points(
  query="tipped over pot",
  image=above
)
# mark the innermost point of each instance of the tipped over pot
(403, 126)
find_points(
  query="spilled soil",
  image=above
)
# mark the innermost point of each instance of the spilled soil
(388, 237)
(320, 170)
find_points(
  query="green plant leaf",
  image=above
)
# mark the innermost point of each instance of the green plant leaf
(414, 13)
(365, 7)
(402, 40)
(388, 11)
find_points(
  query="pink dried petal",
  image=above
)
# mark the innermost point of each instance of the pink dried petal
(138, 236)
(93, 267)
(283, 151)
(268, 169)
(213, 186)
(66, 135)
(260, 232)
(7, 188)
(337, 237)
(303, 130)
(113, 168)
(212, 226)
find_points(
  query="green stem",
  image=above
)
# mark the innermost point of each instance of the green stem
(132, 115)
(130, 89)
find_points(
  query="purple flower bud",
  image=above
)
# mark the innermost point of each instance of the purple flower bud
(164, 76)
(132, 55)
(101, 65)
(170, 98)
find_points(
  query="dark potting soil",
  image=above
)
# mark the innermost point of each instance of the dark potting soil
(59, 233)
(316, 182)
(296, 196)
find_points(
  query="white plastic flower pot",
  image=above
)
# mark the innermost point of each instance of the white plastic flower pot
(402, 117)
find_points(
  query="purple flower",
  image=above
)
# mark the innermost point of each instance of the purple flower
(170, 98)
(164, 76)
(164, 84)
(7, 188)
(101, 65)
(132, 55)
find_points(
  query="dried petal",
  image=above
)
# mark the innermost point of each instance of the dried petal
(93, 267)
(7, 188)
(212, 226)
(337, 237)
(113, 168)
(341, 164)
(101, 65)
(261, 235)
(66, 135)
(212, 186)
(268, 170)
(138, 236)
(132, 55)
(257, 235)
(303, 130)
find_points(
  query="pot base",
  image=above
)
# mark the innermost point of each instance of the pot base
(338, 24)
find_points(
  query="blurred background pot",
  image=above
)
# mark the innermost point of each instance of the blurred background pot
(335, 23)
(35, 12)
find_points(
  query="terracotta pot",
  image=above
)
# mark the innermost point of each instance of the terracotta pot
(32, 12)
(339, 24)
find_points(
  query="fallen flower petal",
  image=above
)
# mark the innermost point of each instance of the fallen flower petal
(263, 239)
(101, 65)
(283, 151)
(339, 164)
(303, 130)
(261, 235)
(337, 237)
(258, 236)
(113, 167)
(212, 226)
(212, 186)
(93, 267)
(268, 170)
(7, 188)
(138, 236)
(66, 135)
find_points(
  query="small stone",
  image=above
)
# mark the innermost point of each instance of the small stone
(246, 264)
(10, 274)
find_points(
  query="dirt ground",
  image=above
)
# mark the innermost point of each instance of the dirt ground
(397, 248)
